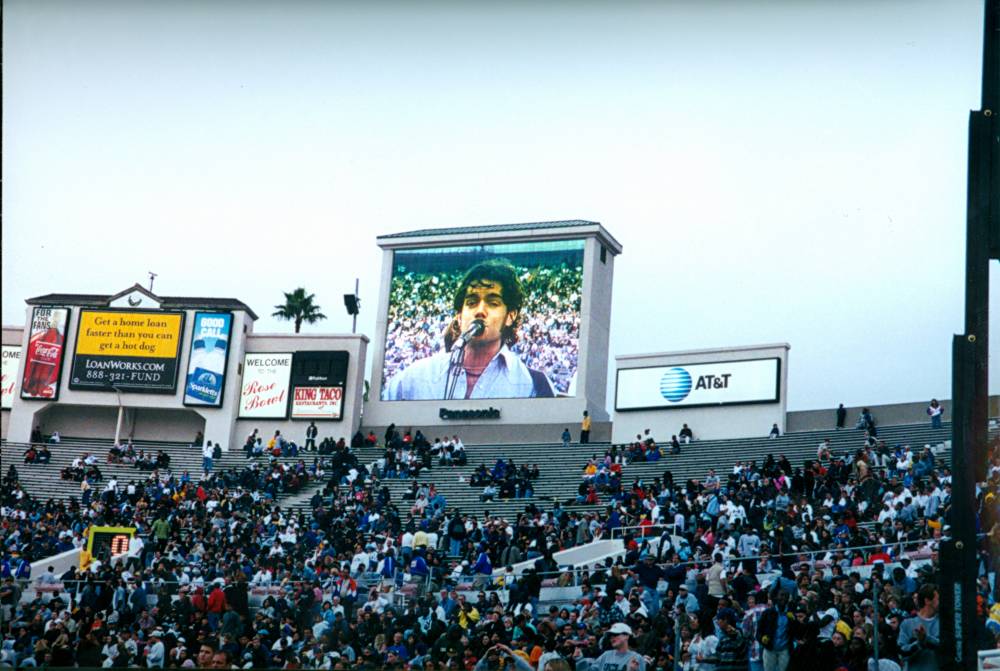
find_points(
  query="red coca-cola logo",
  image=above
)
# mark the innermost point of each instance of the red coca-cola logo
(46, 353)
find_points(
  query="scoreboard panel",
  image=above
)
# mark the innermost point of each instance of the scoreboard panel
(103, 543)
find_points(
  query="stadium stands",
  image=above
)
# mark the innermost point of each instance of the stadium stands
(561, 467)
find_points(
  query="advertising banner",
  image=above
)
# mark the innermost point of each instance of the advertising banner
(484, 321)
(11, 360)
(317, 402)
(131, 351)
(318, 383)
(206, 375)
(44, 358)
(703, 384)
(265, 385)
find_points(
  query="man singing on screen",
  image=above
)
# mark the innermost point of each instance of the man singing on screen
(487, 316)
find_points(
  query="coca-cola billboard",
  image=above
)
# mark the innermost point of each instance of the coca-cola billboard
(11, 360)
(264, 394)
(44, 354)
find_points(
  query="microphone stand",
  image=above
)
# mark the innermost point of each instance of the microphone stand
(455, 365)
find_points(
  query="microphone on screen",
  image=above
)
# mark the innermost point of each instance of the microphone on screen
(476, 328)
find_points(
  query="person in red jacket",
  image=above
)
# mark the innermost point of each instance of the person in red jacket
(216, 605)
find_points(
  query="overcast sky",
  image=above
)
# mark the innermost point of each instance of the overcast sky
(776, 171)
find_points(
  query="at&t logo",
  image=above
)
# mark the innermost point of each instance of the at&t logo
(676, 383)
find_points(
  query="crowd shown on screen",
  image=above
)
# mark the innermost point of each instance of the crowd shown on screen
(550, 331)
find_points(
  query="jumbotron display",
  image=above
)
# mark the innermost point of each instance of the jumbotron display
(484, 321)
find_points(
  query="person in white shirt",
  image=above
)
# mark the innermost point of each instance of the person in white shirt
(135, 550)
(207, 453)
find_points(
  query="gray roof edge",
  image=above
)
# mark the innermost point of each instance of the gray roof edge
(102, 300)
(709, 350)
(357, 336)
(522, 226)
(457, 237)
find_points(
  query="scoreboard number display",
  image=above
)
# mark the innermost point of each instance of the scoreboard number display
(103, 543)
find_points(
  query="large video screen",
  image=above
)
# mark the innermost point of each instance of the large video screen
(130, 351)
(484, 321)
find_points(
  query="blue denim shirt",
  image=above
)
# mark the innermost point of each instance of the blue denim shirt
(505, 376)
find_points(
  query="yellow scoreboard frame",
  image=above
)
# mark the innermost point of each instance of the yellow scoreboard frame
(113, 540)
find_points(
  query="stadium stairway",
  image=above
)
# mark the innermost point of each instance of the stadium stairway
(42, 481)
(561, 467)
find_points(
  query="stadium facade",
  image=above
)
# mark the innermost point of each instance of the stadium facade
(148, 367)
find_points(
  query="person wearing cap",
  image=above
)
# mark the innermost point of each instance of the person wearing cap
(618, 658)
(686, 599)
(649, 575)
(155, 651)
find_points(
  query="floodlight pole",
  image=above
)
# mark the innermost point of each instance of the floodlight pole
(354, 324)
(121, 413)
(970, 365)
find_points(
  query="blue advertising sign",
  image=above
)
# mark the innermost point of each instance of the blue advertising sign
(207, 361)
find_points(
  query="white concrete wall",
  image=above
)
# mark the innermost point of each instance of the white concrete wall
(12, 335)
(218, 422)
(728, 421)
(355, 345)
(163, 416)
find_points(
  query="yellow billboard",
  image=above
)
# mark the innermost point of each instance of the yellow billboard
(127, 350)
(145, 334)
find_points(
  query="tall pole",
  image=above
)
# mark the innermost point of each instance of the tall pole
(970, 364)
(354, 325)
(121, 412)
(876, 592)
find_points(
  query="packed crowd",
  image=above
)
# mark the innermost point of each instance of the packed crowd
(420, 309)
(771, 566)
(505, 480)
(408, 454)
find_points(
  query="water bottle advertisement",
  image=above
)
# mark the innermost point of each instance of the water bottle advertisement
(44, 357)
(206, 374)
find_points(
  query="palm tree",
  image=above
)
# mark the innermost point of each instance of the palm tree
(299, 308)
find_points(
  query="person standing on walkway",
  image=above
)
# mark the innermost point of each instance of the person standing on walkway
(934, 411)
(841, 416)
(566, 437)
(585, 429)
(207, 456)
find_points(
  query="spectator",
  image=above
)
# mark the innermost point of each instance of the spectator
(934, 411)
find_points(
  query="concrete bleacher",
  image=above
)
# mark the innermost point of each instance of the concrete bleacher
(561, 467)
(42, 481)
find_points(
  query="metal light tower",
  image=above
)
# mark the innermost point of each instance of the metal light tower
(970, 364)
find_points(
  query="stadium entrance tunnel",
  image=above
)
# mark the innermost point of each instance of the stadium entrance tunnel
(139, 424)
